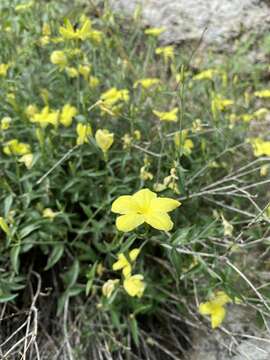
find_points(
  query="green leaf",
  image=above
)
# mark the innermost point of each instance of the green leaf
(71, 276)
(56, 254)
(14, 257)
(134, 330)
(7, 297)
(90, 276)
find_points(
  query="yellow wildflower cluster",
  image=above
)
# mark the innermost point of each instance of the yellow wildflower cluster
(154, 31)
(83, 32)
(167, 52)
(4, 69)
(208, 74)
(111, 101)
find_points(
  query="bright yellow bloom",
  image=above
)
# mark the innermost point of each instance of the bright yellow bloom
(14, 147)
(262, 93)
(215, 308)
(260, 147)
(247, 117)
(134, 285)
(84, 70)
(3, 69)
(46, 117)
(93, 82)
(181, 141)
(170, 182)
(220, 103)
(84, 32)
(206, 75)
(113, 95)
(49, 213)
(67, 114)
(147, 83)
(59, 58)
(167, 116)
(144, 207)
(72, 72)
(44, 40)
(104, 139)
(154, 31)
(123, 263)
(167, 52)
(109, 287)
(27, 160)
(5, 123)
(83, 132)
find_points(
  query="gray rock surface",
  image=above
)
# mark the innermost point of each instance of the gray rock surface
(188, 19)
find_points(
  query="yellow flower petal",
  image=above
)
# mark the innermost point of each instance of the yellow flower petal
(205, 308)
(164, 204)
(160, 221)
(217, 317)
(144, 197)
(124, 205)
(133, 254)
(129, 222)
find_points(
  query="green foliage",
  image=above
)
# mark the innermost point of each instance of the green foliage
(56, 209)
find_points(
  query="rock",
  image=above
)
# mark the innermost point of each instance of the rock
(187, 20)
(240, 340)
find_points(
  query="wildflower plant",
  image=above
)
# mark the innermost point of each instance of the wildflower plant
(104, 133)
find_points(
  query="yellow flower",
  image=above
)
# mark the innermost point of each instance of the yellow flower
(264, 170)
(109, 287)
(260, 147)
(14, 147)
(31, 110)
(46, 117)
(167, 116)
(3, 69)
(197, 126)
(49, 213)
(134, 285)
(113, 95)
(219, 103)
(146, 83)
(137, 135)
(59, 58)
(123, 263)
(144, 207)
(181, 141)
(104, 139)
(44, 40)
(144, 174)
(5, 123)
(27, 160)
(84, 32)
(67, 114)
(154, 31)
(93, 82)
(247, 117)
(262, 93)
(127, 141)
(83, 132)
(84, 70)
(72, 72)
(215, 308)
(206, 75)
(167, 52)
